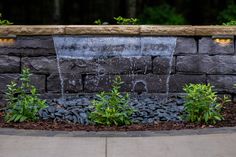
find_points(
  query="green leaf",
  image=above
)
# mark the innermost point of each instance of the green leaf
(23, 118)
(17, 118)
(201, 104)
(217, 118)
(21, 105)
(112, 107)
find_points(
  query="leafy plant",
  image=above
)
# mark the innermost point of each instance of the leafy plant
(112, 108)
(228, 15)
(126, 21)
(201, 104)
(98, 22)
(23, 102)
(163, 14)
(4, 22)
(231, 23)
(224, 100)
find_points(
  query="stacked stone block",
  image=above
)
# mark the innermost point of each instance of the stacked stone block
(196, 60)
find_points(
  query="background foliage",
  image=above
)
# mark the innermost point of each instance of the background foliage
(163, 14)
(86, 12)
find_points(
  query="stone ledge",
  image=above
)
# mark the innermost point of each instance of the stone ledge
(214, 30)
(102, 30)
(32, 30)
(146, 30)
(167, 30)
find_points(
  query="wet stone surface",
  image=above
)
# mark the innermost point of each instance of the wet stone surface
(149, 109)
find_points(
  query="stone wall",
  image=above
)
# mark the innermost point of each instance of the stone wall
(197, 59)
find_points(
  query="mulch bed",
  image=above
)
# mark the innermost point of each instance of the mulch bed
(229, 113)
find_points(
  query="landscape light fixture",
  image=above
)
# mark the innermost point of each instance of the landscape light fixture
(6, 40)
(223, 40)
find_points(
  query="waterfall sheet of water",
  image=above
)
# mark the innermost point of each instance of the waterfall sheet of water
(97, 47)
(169, 71)
(59, 68)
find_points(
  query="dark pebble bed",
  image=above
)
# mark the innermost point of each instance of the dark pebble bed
(149, 109)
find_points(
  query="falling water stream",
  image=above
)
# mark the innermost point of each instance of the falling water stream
(97, 47)
(169, 73)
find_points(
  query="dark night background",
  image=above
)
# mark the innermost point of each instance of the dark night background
(195, 12)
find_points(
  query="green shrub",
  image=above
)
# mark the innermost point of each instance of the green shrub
(112, 108)
(4, 22)
(23, 102)
(231, 23)
(98, 22)
(162, 15)
(227, 15)
(126, 21)
(201, 104)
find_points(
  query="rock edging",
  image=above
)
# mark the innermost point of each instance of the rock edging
(146, 30)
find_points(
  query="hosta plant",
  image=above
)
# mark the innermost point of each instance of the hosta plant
(201, 105)
(23, 101)
(112, 108)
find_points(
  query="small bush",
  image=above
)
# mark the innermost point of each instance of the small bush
(112, 108)
(162, 15)
(98, 22)
(231, 23)
(126, 21)
(201, 104)
(4, 22)
(23, 102)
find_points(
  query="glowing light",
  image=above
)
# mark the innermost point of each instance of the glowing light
(7, 40)
(223, 40)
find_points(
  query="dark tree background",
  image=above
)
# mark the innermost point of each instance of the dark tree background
(196, 12)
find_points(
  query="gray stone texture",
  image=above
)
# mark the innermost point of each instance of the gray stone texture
(42, 42)
(114, 65)
(9, 64)
(30, 46)
(185, 45)
(5, 79)
(137, 83)
(142, 83)
(41, 65)
(208, 46)
(142, 72)
(2, 101)
(37, 80)
(223, 83)
(161, 65)
(234, 98)
(72, 83)
(178, 81)
(27, 52)
(219, 64)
